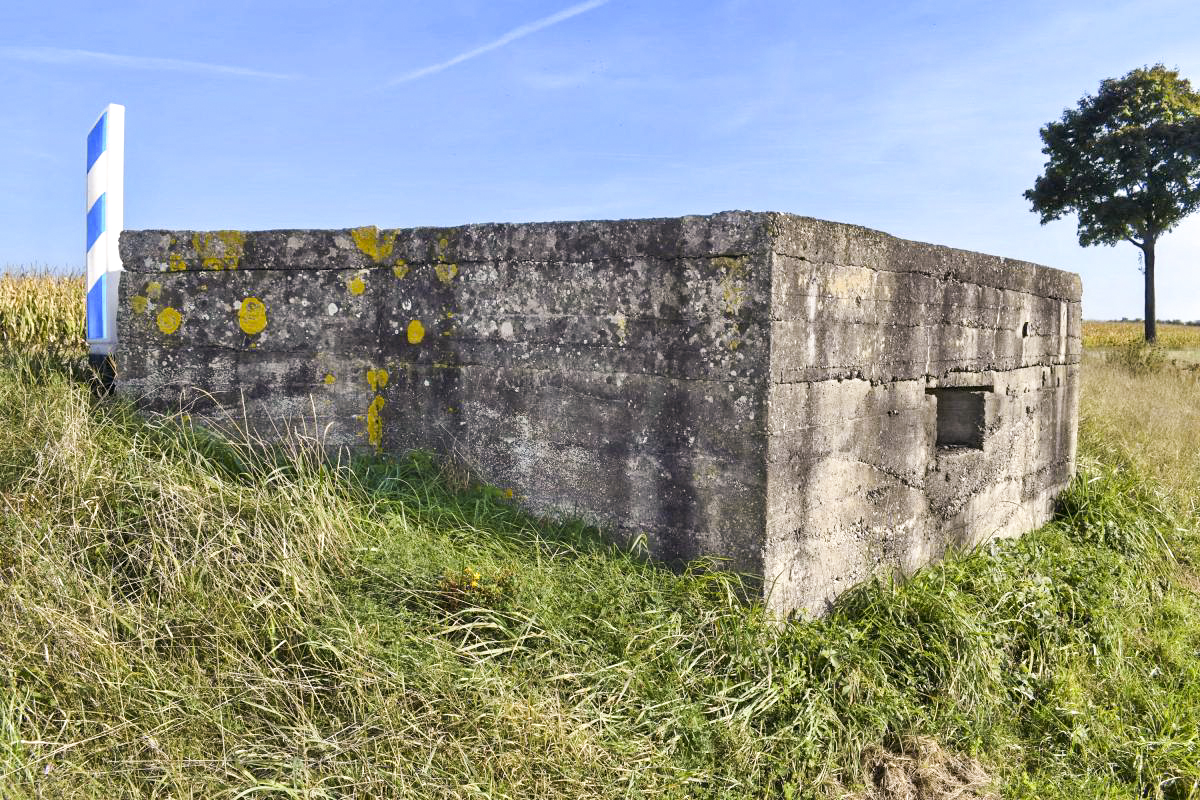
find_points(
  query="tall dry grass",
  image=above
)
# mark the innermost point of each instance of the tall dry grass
(1150, 416)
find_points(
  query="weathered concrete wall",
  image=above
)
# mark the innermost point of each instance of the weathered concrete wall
(757, 387)
(869, 336)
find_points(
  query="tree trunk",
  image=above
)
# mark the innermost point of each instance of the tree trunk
(1151, 326)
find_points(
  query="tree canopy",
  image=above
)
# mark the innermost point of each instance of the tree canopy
(1126, 161)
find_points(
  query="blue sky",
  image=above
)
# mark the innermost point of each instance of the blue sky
(919, 119)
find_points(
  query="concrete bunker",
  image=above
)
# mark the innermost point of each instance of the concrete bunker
(810, 402)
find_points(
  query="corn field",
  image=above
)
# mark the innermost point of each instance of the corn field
(1119, 334)
(42, 311)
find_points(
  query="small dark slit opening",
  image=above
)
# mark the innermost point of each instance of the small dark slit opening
(960, 416)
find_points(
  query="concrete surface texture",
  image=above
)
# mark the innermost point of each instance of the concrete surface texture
(811, 403)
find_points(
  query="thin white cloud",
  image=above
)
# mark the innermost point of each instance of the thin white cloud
(511, 36)
(61, 55)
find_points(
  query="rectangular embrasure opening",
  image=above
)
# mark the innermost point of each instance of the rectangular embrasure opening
(960, 415)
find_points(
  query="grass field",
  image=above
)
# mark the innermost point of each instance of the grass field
(186, 615)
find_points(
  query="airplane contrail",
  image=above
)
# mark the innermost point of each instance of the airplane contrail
(511, 36)
(60, 55)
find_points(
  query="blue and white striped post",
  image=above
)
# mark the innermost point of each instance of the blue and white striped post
(105, 220)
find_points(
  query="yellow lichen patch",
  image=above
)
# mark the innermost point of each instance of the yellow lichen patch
(169, 320)
(734, 295)
(374, 423)
(176, 263)
(387, 243)
(220, 249)
(153, 290)
(445, 270)
(377, 379)
(366, 239)
(622, 324)
(139, 303)
(733, 284)
(373, 243)
(400, 268)
(416, 332)
(252, 316)
(329, 379)
(356, 285)
(734, 344)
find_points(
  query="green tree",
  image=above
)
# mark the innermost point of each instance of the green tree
(1127, 162)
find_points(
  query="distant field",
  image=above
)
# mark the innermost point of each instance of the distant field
(1115, 334)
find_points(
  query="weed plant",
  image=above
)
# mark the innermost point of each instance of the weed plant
(185, 614)
(1138, 358)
